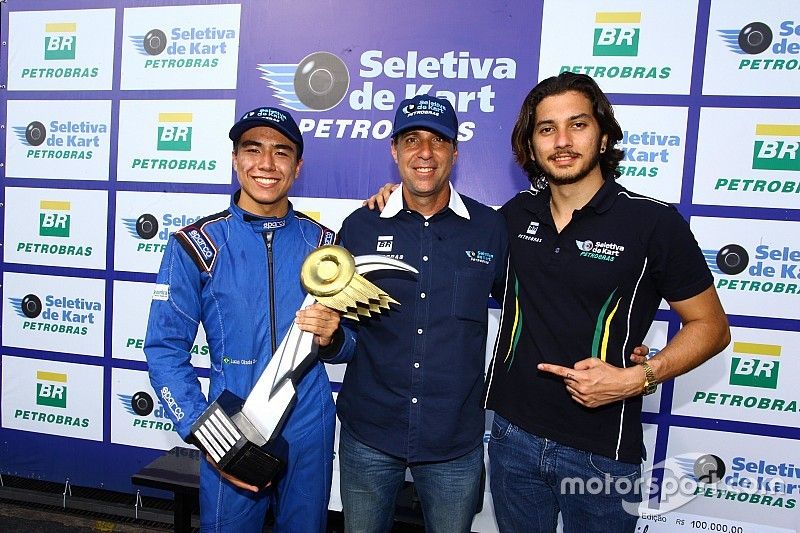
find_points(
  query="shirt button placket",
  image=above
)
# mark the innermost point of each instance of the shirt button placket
(421, 318)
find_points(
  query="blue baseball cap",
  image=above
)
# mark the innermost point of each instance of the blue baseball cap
(428, 113)
(272, 118)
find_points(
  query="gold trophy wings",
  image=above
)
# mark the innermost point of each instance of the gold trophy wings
(329, 273)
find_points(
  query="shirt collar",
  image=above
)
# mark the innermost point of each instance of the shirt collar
(258, 223)
(604, 198)
(395, 203)
(601, 202)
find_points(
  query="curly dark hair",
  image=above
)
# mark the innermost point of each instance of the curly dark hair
(603, 113)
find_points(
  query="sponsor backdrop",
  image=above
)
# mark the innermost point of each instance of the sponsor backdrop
(113, 134)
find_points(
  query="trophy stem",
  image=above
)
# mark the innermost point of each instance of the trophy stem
(268, 403)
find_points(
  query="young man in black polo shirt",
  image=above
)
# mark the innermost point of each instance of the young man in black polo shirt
(592, 262)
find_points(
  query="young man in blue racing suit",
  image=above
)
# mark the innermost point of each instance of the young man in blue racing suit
(238, 272)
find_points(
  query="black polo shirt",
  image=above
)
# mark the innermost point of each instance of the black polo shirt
(414, 388)
(590, 291)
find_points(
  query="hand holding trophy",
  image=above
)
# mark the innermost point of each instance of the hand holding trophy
(243, 436)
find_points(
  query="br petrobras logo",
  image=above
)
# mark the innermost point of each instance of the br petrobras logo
(174, 132)
(318, 83)
(60, 139)
(146, 227)
(141, 406)
(755, 365)
(756, 38)
(57, 314)
(55, 221)
(776, 147)
(54, 218)
(192, 47)
(616, 33)
(60, 40)
(51, 393)
(774, 269)
(51, 389)
(384, 243)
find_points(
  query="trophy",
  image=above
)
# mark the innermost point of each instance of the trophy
(243, 436)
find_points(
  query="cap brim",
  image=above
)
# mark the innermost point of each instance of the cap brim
(241, 127)
(436, 128)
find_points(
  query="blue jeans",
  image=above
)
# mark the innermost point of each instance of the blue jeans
(528, 485)
(371, 480)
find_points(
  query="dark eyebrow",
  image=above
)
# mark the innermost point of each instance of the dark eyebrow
(258, 144)
(573, 117)
(250, 143)
(287, 147)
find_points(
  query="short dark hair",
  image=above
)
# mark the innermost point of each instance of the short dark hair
(603, 113)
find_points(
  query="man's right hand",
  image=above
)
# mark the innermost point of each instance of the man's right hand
(235, 481)
(380, 198)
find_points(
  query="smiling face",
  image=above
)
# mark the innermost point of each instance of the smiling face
(266, 165)
(566, 140)
(424, 160)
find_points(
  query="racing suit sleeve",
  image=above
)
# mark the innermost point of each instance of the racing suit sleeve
(171, 329)
(343, 347)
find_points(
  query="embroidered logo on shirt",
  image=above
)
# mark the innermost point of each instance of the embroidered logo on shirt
(161, 292)
(273, 224)
(602, 251)
(202, 244)
(166, 395)
(533, 229)
(228, 361)
(480, 257)
(384, 243)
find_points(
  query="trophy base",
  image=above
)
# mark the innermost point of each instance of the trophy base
(256, 465)
(217, 434)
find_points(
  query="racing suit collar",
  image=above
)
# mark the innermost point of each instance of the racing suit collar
(258, 223)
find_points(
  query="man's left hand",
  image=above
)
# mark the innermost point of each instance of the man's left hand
(592, 382)
(319, 320)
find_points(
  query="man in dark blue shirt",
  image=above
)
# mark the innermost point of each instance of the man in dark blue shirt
(411, 395)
